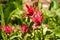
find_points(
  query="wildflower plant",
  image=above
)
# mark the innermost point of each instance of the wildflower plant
(33, 24)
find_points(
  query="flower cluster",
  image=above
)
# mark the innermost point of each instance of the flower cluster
(9, 30)
(24, 28)
(36, 16)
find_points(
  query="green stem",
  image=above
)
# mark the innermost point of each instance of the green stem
(54, 37)
(42, 36)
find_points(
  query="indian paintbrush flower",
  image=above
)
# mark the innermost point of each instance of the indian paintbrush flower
(24, 28)
(8, 29)
(37, 19)
(30, 11)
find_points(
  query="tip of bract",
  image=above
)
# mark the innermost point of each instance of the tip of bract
(27, 6)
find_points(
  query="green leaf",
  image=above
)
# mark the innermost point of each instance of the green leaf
(58, 12)
(13, 12)
(27, 36)
(48, 13)
(2, 15)
(55, 5)
(4, 35)
(16, 34)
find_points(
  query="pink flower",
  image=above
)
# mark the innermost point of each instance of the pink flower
(38, 13)
(37, 19)
(24, 28)
(8, 29)
(30, 10)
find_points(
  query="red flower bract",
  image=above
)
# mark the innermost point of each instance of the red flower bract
(38, 13)
(24, 28)
(30, 10)
(37, 19)
(8, 29)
